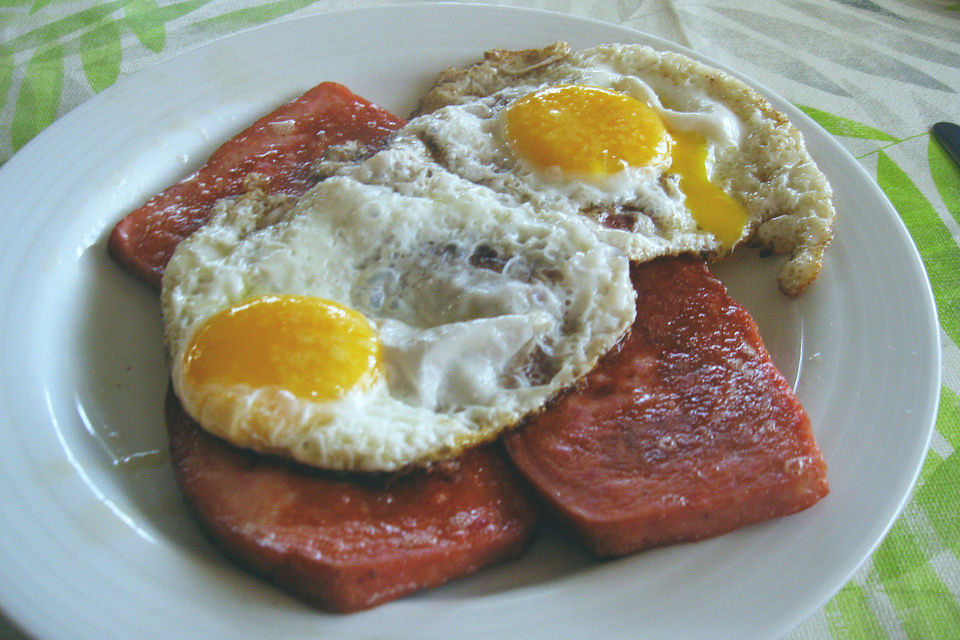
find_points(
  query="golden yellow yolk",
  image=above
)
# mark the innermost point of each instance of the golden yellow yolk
(592, 131)
(585, 130)
(313, 348)
(713, 208)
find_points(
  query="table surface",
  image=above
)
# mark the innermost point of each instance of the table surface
(876, 74)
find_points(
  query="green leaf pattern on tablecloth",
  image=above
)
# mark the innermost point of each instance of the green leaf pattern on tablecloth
(946, 177)
(139, 17)
(40, 4)
(39, 94)
(938, 249)
(935, 494)
(52, 32)
(900, 568)
(258, 14)
(840, 126)
(909, 581)
(6, 70)
(144, 15)
(924, 604)
(901, 571)
(100, 54)
(94, 36)
(848, 614)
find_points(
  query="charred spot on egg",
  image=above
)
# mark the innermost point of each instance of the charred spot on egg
(368, 329)
(741, 170)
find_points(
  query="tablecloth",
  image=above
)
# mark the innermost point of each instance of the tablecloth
(875, 74)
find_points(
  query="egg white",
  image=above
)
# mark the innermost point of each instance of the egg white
(484, 311)
(753, 152)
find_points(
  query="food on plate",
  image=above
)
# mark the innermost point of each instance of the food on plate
(274, 154)
(627, 136)
(346, 543)
(363, 329)
(376, 538)
(526, 252)
(686, 431)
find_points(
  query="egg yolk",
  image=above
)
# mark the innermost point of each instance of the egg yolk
(313, 348)
(597, 132)
(714, 209)
(585, 130)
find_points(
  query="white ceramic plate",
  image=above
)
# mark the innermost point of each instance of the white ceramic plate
(96, 541)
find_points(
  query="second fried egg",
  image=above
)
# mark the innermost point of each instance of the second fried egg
(661, 152)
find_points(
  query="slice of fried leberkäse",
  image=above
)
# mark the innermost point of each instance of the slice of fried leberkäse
(346, 543)
(686, 432)
(274, 155)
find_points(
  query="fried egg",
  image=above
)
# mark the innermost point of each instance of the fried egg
(659, 153)
(367, 329)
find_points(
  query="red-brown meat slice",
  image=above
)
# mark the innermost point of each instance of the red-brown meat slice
(279, 148)
(686, 432)
(349, 543)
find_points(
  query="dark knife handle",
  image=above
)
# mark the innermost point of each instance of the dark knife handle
(949, 136)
